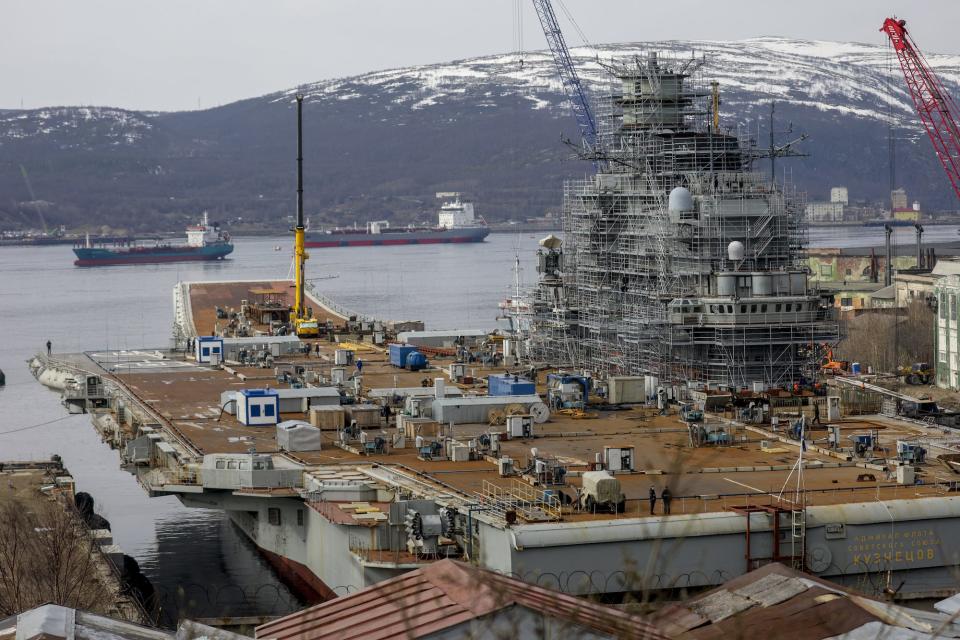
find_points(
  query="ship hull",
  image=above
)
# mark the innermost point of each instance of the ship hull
(426, 236)
(96, 257)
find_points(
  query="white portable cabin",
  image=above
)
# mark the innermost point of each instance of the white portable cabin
(258, 407)
(238, 470)
(297, 435)
(300, 400)
(476, 409)
(208, 349)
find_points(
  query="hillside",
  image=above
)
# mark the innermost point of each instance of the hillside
(380, 144)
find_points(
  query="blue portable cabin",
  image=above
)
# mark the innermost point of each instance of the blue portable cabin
(399, 353)
(258, 407)
(406, 356)
(206, 346)
(508, 385)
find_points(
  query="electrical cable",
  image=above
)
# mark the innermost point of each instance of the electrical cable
(576, 27)
(39, 424)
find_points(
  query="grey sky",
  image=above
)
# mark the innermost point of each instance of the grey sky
(176, 54)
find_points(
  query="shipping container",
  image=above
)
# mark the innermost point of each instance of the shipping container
(507, 385)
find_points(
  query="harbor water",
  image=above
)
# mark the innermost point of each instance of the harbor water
(199, 563)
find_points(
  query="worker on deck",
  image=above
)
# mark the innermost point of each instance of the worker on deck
(49, 347)
(666, 496)
(653, 500)
(359, 366)
(816, 414)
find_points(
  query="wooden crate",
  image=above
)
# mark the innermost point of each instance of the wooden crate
(426, 427)
(327, 418)
(366, 415)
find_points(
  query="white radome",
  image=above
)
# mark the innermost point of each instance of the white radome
(735, 250)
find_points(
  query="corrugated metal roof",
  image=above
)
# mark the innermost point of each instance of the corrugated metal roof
(444, 595)
(467, 401)
(776, 601)
(54, 621)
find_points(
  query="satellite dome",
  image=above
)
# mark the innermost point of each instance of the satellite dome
(680, 200)
(551, 242)
(735, 250)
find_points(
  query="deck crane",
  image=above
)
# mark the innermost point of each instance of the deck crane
(568, 77)
(936, 108)
(304, 324)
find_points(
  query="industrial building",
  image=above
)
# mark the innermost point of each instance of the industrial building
(679, 261)
(947, 292)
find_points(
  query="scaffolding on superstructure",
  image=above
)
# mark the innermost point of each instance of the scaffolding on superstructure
(628, 256)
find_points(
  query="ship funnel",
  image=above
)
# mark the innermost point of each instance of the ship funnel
(735, 251)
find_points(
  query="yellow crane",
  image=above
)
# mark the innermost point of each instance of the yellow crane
(304, 324)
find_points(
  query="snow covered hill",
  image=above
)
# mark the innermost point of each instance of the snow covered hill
(379, 144)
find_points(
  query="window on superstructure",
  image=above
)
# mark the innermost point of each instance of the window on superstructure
(953, 306)
(232, 464)
(299, 517)
(273, 516)
(221, 464)
(943, 306)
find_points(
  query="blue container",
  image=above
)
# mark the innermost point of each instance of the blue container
(855, 368)
(510, 386)
(399, 353)
(416, 361)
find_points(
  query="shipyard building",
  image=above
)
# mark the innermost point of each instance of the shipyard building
(679, 260)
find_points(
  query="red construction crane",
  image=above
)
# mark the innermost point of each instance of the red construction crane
(936, 108)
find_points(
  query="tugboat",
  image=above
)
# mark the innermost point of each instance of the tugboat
(204, 242)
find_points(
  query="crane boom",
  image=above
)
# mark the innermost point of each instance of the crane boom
(568, 74)
(934, 105)
(304, 324)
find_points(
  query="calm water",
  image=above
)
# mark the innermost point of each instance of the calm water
(194, 557)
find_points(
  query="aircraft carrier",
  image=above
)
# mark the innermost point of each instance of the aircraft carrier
(650, 433)
(343, 497)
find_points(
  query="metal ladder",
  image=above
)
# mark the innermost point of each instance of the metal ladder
(798, 537)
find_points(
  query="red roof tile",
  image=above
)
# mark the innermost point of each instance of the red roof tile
(441, 596)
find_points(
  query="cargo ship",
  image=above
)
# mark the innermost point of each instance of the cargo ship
(456, 223)
(204, 242)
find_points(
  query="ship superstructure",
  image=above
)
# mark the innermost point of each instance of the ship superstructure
(679, 260)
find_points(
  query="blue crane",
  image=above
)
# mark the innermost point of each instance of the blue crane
(568, 74)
